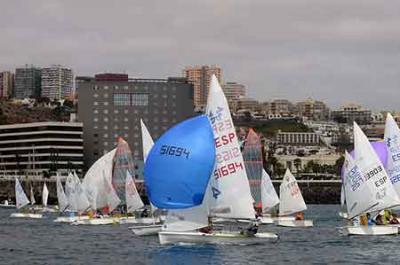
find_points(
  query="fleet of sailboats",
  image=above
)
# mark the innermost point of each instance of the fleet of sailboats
(197, 173)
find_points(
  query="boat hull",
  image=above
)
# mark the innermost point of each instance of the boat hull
(374, 230)
(265, 220)
(229, 238)
(70, 219)
(146, 230)
(7, 206)
(295, 223)
(133, 220)
(27, 215)
(97, 221)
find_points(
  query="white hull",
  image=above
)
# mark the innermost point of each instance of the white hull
(146, 230)
(228, 238)
(265, 220)
(344, 215)
(27, 215)
(295, 223)
(8, 206)
(133, 220)
(373, 230)
(283, 218)
(97, 221)
(70, 219)
(49, 210)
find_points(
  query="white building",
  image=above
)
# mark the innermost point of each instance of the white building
(57, 82)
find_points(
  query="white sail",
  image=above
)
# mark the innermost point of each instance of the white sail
(269, 198)
(392, 140)
(229, 185)
(32, 196)
(61, 197)
(342, 196)
(291, 199)
(110, 194)
(81, 198)
(147, 143)
(20, 196)
(357, 194)
(45, 195)
(93, 182)
(75, 193)
(133, 200)
(373, 172)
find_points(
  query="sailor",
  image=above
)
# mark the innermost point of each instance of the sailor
(371, 220)
(251, 230)
(299, 216)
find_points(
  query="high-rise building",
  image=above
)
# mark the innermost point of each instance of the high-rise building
(111, 107)
(27, 82)
(313, 110)
(281, 106)
(200, 76)
(6, 84)
(57, 82)
(234, 91)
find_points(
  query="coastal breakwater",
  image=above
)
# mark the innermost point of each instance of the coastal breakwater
(314, 191)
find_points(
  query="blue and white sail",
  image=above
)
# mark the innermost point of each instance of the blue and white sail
(20, 196)
(230, 189)
(373, 172)
(179, 165)
(358, 196)
(392, 140)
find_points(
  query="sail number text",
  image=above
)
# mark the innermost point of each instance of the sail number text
(174, 151)
(228, 169)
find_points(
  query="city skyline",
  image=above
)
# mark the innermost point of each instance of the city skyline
(337, 52)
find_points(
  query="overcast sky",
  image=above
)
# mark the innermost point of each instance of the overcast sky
(334, 50)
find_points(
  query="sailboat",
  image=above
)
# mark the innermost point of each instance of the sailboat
(291, 202)
(155, 226)
(21, 202)
(228, 192)
(368, 187)
(392, 140)
(269, 199)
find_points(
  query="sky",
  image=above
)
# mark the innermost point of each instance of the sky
(337, 51)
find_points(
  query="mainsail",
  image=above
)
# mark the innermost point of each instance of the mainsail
(147, 144)
(93, 183)
(373, 172)
(230, 189)
(75, 193)
(61, 197)
(133, 200)
(123, 163)
(269, 198)
(110, 194)
(392, 140)
(45, 195)
(291, 199)
(20, 196)
(253, 161)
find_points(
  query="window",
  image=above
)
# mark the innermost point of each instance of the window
(95, 119)
(105, 119)
(95, 103)
(115, 127)
(96, 95)
(106, 103)
(105, 135)
(126, 119)
(121, 99)
(116, 111)
(125, 135)
(140, 99)
(105, 87)
(105, 111)
(105, 95)
(105, 127)
(126, 87)
(125, 111)
(95, 111)
(105, 143)
(126, 127)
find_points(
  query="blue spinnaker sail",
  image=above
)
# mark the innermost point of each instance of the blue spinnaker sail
(180, 164)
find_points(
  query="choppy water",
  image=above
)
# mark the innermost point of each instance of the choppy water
(44, 242)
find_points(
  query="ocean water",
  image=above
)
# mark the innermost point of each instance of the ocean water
(44, 242)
